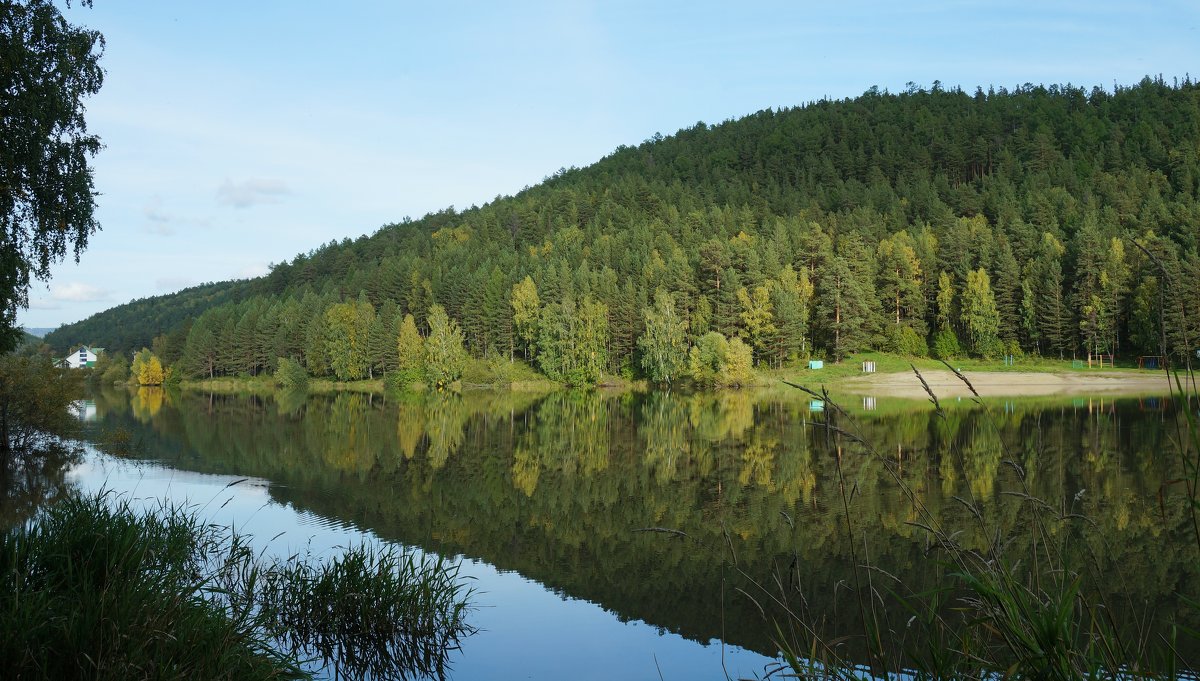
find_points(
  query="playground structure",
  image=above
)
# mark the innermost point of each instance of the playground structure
(1100, 360)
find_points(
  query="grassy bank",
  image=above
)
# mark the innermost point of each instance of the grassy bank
(95, 589)
(521, 377)
(886, 363)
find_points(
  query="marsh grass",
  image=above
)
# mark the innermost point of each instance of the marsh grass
(96, 589)
(997, 611)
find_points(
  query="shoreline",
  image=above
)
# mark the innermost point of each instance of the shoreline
(945, 384)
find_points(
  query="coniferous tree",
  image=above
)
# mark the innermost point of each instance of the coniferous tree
(1053, 315)
(791, 299)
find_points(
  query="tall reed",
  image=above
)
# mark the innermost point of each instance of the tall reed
(95, 589)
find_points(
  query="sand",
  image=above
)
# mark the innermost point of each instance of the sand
(1009, 384)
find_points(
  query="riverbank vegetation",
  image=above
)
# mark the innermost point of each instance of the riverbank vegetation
(98, 589)
(1046, 221)
(1022, 603)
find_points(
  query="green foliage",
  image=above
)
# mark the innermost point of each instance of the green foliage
(664, 343)
(47, 198)
(526, 314)
(94, 588)
(1026, 185)
(945, 344)
(116, 371)
(34, 399)
(410, 348)
(445, 357)
(572, 342)
(290, 374)
(905, 341)
(716, 362)
(758, 319)
(347, 332)
(980, 317)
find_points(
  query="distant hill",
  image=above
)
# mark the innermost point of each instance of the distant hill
(129, 327)
(932, 220)
(38, 331)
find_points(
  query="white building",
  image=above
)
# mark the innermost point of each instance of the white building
(82, 357)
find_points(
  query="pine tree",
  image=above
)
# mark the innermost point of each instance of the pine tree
(791, 299)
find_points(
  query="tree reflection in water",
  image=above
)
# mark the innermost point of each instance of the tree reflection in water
(554, 486)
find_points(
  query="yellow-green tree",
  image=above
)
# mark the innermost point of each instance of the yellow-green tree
(664, 343)
(410, 347)
(526, 314)
(150, 372)
(445, 357)
(347, 331)
(758, 319)
(980, 317)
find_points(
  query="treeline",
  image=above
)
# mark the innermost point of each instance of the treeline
(131, 326)
(1053, 221)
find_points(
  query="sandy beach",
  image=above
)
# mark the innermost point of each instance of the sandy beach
(1008, 384)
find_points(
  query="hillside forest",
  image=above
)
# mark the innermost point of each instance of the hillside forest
(1054, 221)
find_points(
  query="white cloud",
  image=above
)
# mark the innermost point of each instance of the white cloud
(252, 192)
(76, 292)
(42, 303)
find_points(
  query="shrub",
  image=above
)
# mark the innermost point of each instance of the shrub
(945, 344)
(290, 375)
(906, 341)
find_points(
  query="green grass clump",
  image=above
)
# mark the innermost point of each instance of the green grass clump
(94, 589)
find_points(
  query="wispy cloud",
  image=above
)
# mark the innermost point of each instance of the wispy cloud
(43, 303)
(252, 192)
(164, 223)
(77, 292)
(160, 221)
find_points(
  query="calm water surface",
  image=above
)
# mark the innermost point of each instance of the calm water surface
(638, 536)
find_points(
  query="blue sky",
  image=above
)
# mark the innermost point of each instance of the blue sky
(242, 133)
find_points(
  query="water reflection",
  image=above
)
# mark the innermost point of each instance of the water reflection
(555, 487)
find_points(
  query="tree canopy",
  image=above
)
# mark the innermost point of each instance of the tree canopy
(1054, 220)
(47, 198)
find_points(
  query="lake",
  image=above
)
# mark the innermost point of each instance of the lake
(668, 535)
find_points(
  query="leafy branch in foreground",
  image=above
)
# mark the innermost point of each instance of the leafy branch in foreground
(95, 589)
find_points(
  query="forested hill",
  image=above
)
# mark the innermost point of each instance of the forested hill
(930, 221)
(134, 325)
